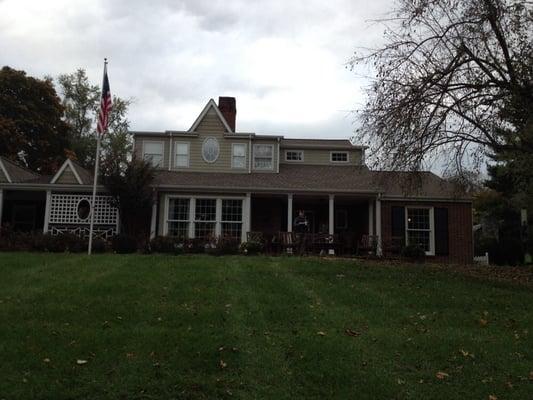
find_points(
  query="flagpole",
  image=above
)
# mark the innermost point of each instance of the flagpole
(95, 179)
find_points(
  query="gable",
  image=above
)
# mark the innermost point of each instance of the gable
(67, 177)
(3, 177)
(211, 123)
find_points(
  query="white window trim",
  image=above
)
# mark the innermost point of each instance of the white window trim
(167, 209)
(188, 144)
(202, 149)
(294, 151)
(272, 164)
(245, 155)
(431, 251)
(192, 211)
(339, 152)
(162, 143)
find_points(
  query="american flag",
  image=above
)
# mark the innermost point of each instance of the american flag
(105, 104)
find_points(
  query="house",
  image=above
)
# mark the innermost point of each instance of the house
(212, 180)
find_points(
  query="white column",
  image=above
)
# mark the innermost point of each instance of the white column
(378, 226)
(246, 216)
(153, 222)
(371, 217)
(218, 224)
(192, 214)
(289, 213)
(331, 219)
(1, 205)
(47, 206)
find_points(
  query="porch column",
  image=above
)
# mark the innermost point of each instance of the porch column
(47, 207)
(192, 214)
(1, 205)
(371, 218)
(289, 212)
(331, 219)
(379, 251)
(246, 217)
(218, 224)
(153, 221)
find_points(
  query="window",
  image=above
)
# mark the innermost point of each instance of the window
(419, 228)
(210, 150)
(153, 153)
(294, 155)
(263, 156)
(238, 155)
(231, 218)
(339, 156)
(182, 155)
(205, 218)
(178, 217)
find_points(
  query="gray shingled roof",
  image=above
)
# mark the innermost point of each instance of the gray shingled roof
(316, 178)
(18, 173)
(86, 176)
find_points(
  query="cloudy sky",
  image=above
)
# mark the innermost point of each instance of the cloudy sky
(283, 60)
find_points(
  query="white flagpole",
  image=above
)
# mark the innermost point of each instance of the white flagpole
(95, 181)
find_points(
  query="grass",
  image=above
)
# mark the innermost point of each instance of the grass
(198, 327)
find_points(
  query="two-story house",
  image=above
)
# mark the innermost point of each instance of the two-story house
(212, 180)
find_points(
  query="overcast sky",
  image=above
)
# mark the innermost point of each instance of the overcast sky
(283, 60)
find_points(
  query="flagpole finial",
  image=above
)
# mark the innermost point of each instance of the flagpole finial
(105, 60)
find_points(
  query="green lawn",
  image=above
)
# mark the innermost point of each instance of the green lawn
(197, 327)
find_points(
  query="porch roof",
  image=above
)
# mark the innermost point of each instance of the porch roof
(316, 178)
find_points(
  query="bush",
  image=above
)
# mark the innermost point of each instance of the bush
(100, 245)
(123, 244)
(195, 246)
(251, 248)
(414, 252)
(223, 246)
(166, 244)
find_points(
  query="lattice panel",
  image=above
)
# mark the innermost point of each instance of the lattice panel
(64, 210)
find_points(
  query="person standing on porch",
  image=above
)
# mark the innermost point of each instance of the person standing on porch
(301, 227)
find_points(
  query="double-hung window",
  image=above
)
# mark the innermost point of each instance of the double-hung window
(420, 228)
(231, 218)
(178, 217)
(263, 156)
(205, 218)
(182, 155)
(238, 155)
(153, 153)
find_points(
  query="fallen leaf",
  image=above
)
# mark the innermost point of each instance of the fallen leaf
(441, 375)
(46, 360)
(81, 362)
(464, 353)
(223, 364)
(321, 333)
(401, 381)
(349, 332)
(492, 397)
(483, 322)
(531, 376)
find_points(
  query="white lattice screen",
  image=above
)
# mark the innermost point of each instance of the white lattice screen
(64, 210)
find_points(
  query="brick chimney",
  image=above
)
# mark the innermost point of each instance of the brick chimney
(227, 107)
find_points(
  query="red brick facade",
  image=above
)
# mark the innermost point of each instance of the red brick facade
(459, 228)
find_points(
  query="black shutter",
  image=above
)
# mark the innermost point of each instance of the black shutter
(398, 222)
(441, 232)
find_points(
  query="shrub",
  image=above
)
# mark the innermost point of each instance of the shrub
(414, 252)
(223, 246)
(123, 244)
(251, 247)
(100, 245)
(195, 246)
(166, 244)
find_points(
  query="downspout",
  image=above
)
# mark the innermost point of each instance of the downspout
(249, 154)
(277, 164)
(170, 151)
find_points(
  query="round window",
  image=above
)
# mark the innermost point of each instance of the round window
(84, 209)
(210, 150)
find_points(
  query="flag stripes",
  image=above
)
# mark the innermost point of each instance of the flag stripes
(105, 105)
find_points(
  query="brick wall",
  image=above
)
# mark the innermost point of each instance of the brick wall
(459, 228)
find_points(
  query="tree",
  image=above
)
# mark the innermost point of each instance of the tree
(130, 188)
(81, 100)
(454, 83)
(31, 125)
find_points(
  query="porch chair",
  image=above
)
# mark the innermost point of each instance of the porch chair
(255, 236)
(287, 241)
(367, 245)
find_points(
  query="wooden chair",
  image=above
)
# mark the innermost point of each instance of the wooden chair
(255, 236)
(287, 241)
(367, 245)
